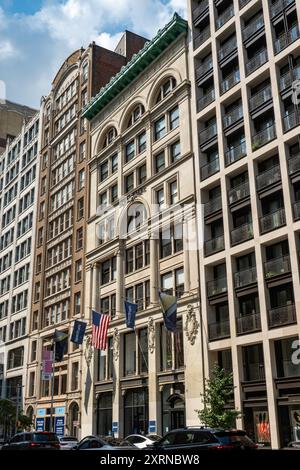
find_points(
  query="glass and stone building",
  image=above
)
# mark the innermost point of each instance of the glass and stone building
(141, 173)
(244, 59)
(19, 166)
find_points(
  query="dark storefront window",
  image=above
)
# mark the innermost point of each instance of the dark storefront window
(143, 350)
(104, 414)
(285, 352)
(136, 412)
(173, 407)
(165, 348)
(129, 353)
(253, 360)
(225, 360)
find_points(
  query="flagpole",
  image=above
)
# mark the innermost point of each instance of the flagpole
(52, 387)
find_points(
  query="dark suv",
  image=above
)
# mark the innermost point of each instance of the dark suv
(33, 441)
(204, 438)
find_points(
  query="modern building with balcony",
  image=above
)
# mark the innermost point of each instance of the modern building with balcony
(247, 150)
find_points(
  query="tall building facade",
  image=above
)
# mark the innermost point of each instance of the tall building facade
(13, 116)
(244, 59)
(19, 167)
(141, 172)
(58, 281)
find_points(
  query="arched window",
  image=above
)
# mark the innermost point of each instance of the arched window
(110, 135)
(166, 88)
(135, 115)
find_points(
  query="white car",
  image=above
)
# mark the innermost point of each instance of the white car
(140, 441)
(67, 442)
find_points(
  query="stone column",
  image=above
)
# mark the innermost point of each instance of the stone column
(154, 270)
(154, 400)
(120, 291)
(117, 397)
(186, 260)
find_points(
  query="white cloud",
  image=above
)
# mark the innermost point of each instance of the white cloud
(109, 41)
(7, 50)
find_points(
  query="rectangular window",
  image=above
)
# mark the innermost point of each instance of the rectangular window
(174, 118)
(129, 182)
(78, 270)
(129, 151)
(175, 151)
(173, 192)
(80, 208)
(114, 193)
(159, 128)
(103, 171)
(130, 354)
(142, 142)
(129, 260)
(160, 162)
(114, 163)
(142, 174)
(79, 238)
(75, 374)
(160, 198)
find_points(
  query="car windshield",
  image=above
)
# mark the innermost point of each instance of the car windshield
(47, 437)
(234, 438)
(154, 437)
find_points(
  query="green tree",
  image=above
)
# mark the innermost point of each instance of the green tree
(217, 411)
(7, 415)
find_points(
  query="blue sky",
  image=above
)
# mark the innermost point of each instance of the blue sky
(37, 35)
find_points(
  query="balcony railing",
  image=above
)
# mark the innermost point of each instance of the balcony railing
(286, 39)
(224, 17)
(254, 371)
(200, 9)
(287, 79)
(202, 37)
(279, 316)
(219, 330)
(217, 286)
(242, 233)
(243, 3)
(227, 48)
(213, 206)
(210, 168)
(294, 164)
(272, 221)
(260, 97)
(233, 116)
(263, 137)
(236, 153)
(245, 277)
(296, 210)
(278, 266)
(206, 99)
(253, 27)
(230, 81)
(208, 133)
(248, 323)
(214, 245)
(268, 177)
(257, 61)
(291, 120)
(279, 6)
(239, 192)
(204, 68)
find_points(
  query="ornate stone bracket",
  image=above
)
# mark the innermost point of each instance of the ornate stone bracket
(151, 335)
(191, 327)
(88, 351)
(116, 344)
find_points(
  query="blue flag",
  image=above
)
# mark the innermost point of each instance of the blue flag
(169, 308)
(78, 332)
(130, 312)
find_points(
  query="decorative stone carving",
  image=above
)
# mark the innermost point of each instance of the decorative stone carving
(151, 335)
(116, 344)
(88, 351)
(191, 327)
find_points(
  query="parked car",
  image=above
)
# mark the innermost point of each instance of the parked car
(116, 441)
(140, 441)
(204, 438)
(67, 442)
(98, 443)
(33, 441)
(294, 445)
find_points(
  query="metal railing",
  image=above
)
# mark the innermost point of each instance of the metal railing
(261, 97)
(204, 68)
(272, 221)
(214, 245)
(233, 116)
(219, 330)
(206, 99)
(224, 17)
(286, 80)
(213, 206)
(277, 266)
(248, 323)
(279, 6)
(253, 27)
(284, 315)
(260, 58)
(208, 133)
(200, 9)
(202, 37)
(263, 137)
(239, 192)
(217, 286)
(286, 39)
(243, 3)
(268, 177)
(236, 153)
(230, 81)
(291, 120)
(296, 210)
(210, 168)
(227, 48)
(294, 164)
(242, 233)
(245, 277)
(254, 371)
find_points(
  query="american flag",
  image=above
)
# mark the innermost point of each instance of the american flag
(99, 331)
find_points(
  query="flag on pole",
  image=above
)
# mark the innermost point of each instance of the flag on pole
(47, 364)
(78, 332)
(99, 331)
(169, 308)
(130, 313)
(60, 344)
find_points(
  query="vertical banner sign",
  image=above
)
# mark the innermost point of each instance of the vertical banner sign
(152, 426)
(47, 365)
(60, 425)
(40, 424)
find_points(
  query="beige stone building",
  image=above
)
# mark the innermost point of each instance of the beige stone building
(244, 58)
(13, 117)
(141, 170)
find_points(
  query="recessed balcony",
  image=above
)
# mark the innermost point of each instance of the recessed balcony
(291, 120)
(199, 10)
(229, 47)
(202, 37)
(214, 245)
(248, 323)
(263, 137)
(272, 221)
(281, 316)
(268, 177)
(210, 168)
(219, 330)
(253, 27)
(286, 39)
(242, 233)
(286, 80)
(260, 58)
(212, 206)
(279, 6)
(204, 68)
(217, 287)
(233, 116)
(260, 98)
(206, 99)
(224, 17)
(277, 267)
(239, 193)
(243, 3)
(296, 210)
(235, 153)
(294, 164)
(245, 277)
(208, 133)
(230, 81)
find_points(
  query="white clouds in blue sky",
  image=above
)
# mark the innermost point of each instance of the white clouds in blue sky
(33, 46)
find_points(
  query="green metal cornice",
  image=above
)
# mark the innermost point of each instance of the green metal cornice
(151, 50)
